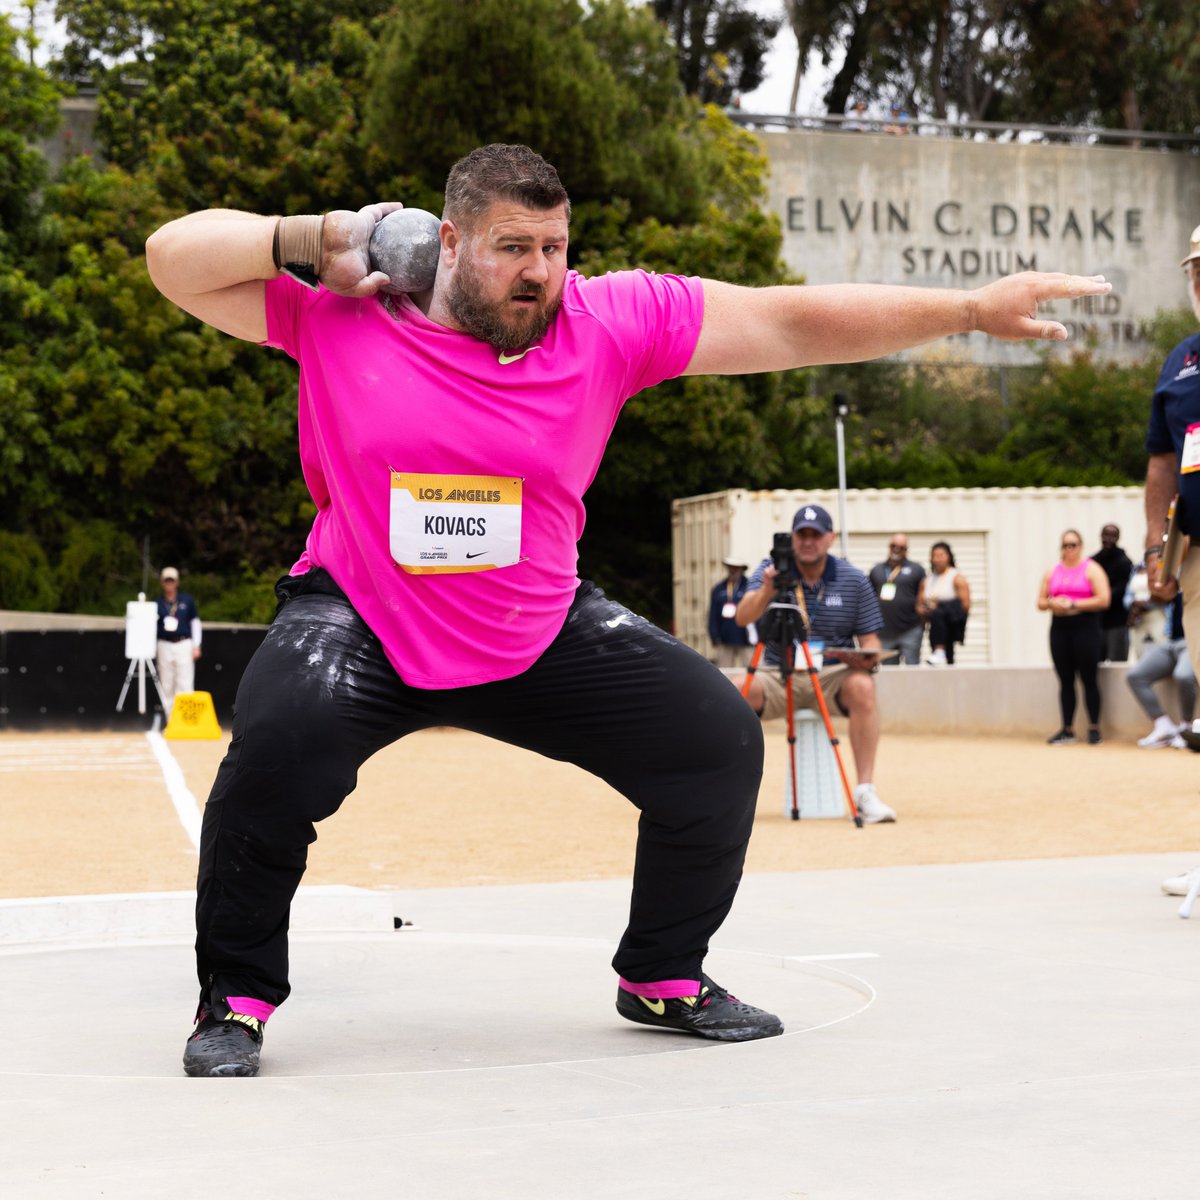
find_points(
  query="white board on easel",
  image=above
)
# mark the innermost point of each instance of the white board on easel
(141, 629)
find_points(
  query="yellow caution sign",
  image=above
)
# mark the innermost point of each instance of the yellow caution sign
(193, 717)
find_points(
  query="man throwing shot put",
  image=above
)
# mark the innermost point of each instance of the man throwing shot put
(447, 438)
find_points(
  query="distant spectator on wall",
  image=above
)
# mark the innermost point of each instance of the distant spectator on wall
(856, 119)
(731, 641)
(1075, 592)
(900, 586)
(1115, 563)
(898, 124)
(946, 605)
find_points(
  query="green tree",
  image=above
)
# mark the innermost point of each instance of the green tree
(594, 92)
(721, 45)
(1116, 63)
(26, 579)
(957, 58)
(229, 103)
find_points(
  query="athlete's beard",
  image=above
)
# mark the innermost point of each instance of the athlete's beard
(497, 323)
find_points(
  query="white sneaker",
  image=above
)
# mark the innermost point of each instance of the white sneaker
(937, 658)
(1159, 736)
(1177, 743)
(1179, 885)
(872, 810)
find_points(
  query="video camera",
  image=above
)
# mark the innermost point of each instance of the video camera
(784, 562)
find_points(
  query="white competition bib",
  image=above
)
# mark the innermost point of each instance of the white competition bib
(1189, 459)
(443, 524)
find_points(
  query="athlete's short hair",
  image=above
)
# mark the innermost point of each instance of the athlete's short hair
(501, 172)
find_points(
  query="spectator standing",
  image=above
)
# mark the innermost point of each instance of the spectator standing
(1115, 563)
(946, 605)
(179, 636)
(1075, 592)
(731, 642)
(843, 612)
(900, 587)
(1167, 659)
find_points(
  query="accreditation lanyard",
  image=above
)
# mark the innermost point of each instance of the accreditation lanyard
(887, 590)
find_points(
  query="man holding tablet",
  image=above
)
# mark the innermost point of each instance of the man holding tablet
(843, 634)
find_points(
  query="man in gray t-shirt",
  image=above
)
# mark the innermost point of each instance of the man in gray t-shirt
(900, 586)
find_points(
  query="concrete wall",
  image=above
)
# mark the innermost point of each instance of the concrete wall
(1004, 540)
(1012, 701)
(76, 134)
(944, 212)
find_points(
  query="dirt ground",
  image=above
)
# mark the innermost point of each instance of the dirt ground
(89, 813)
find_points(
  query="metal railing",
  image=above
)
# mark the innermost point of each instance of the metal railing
(998, 131)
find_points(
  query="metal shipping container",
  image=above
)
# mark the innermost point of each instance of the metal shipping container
(1004, 540)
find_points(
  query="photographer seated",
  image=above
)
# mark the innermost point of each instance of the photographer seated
(841, 606)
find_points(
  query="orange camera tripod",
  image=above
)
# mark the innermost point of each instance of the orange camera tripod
(785, 625)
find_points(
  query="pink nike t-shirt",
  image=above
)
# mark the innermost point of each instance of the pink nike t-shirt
(383, 389)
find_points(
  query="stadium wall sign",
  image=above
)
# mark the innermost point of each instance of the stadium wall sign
(945, 212)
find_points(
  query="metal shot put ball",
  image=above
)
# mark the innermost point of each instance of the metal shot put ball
(405, 246)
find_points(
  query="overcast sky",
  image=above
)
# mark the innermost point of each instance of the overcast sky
(776, 89)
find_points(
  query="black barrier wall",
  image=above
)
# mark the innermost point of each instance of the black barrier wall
(71, 678)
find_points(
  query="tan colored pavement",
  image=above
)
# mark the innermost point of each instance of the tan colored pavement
(89, 813)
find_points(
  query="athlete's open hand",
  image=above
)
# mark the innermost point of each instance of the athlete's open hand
(345, 262)
(1008, 308)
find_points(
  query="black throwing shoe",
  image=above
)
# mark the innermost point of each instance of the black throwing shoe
(714, 1013)
(1094, 738)
(223, 1042)
(1064, 737)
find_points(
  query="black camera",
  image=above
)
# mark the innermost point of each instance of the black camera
(784, 562)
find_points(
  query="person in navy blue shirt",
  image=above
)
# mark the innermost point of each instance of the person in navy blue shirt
(843, 612)
(1173, 470)
(179, 636)
(731, 642)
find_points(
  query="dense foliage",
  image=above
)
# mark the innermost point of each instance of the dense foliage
(1118, 64)
(125, 423)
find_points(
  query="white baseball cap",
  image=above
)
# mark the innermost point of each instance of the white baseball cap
(1193, 247)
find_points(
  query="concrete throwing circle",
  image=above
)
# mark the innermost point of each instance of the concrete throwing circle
(383, 1004)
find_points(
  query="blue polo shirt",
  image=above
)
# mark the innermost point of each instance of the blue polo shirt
(841, 606)
(1174, 408)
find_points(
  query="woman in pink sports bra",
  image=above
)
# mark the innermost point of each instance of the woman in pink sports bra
(1075, 591)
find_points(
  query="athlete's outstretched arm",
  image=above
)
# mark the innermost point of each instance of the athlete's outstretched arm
(778, 328)
(213, 263)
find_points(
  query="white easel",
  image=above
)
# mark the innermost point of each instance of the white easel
(141, 642)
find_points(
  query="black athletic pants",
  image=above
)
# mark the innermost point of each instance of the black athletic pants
(612, 694)
(1076, 644)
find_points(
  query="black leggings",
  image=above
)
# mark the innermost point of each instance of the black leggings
(612, 694)
(1076, 646)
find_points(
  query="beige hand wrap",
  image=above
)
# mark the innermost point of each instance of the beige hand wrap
(296, 249)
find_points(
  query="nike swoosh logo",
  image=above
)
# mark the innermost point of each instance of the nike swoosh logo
(481, 552)
(617, 621)
(505, 359)
(252, 1023)
(657, 1007)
